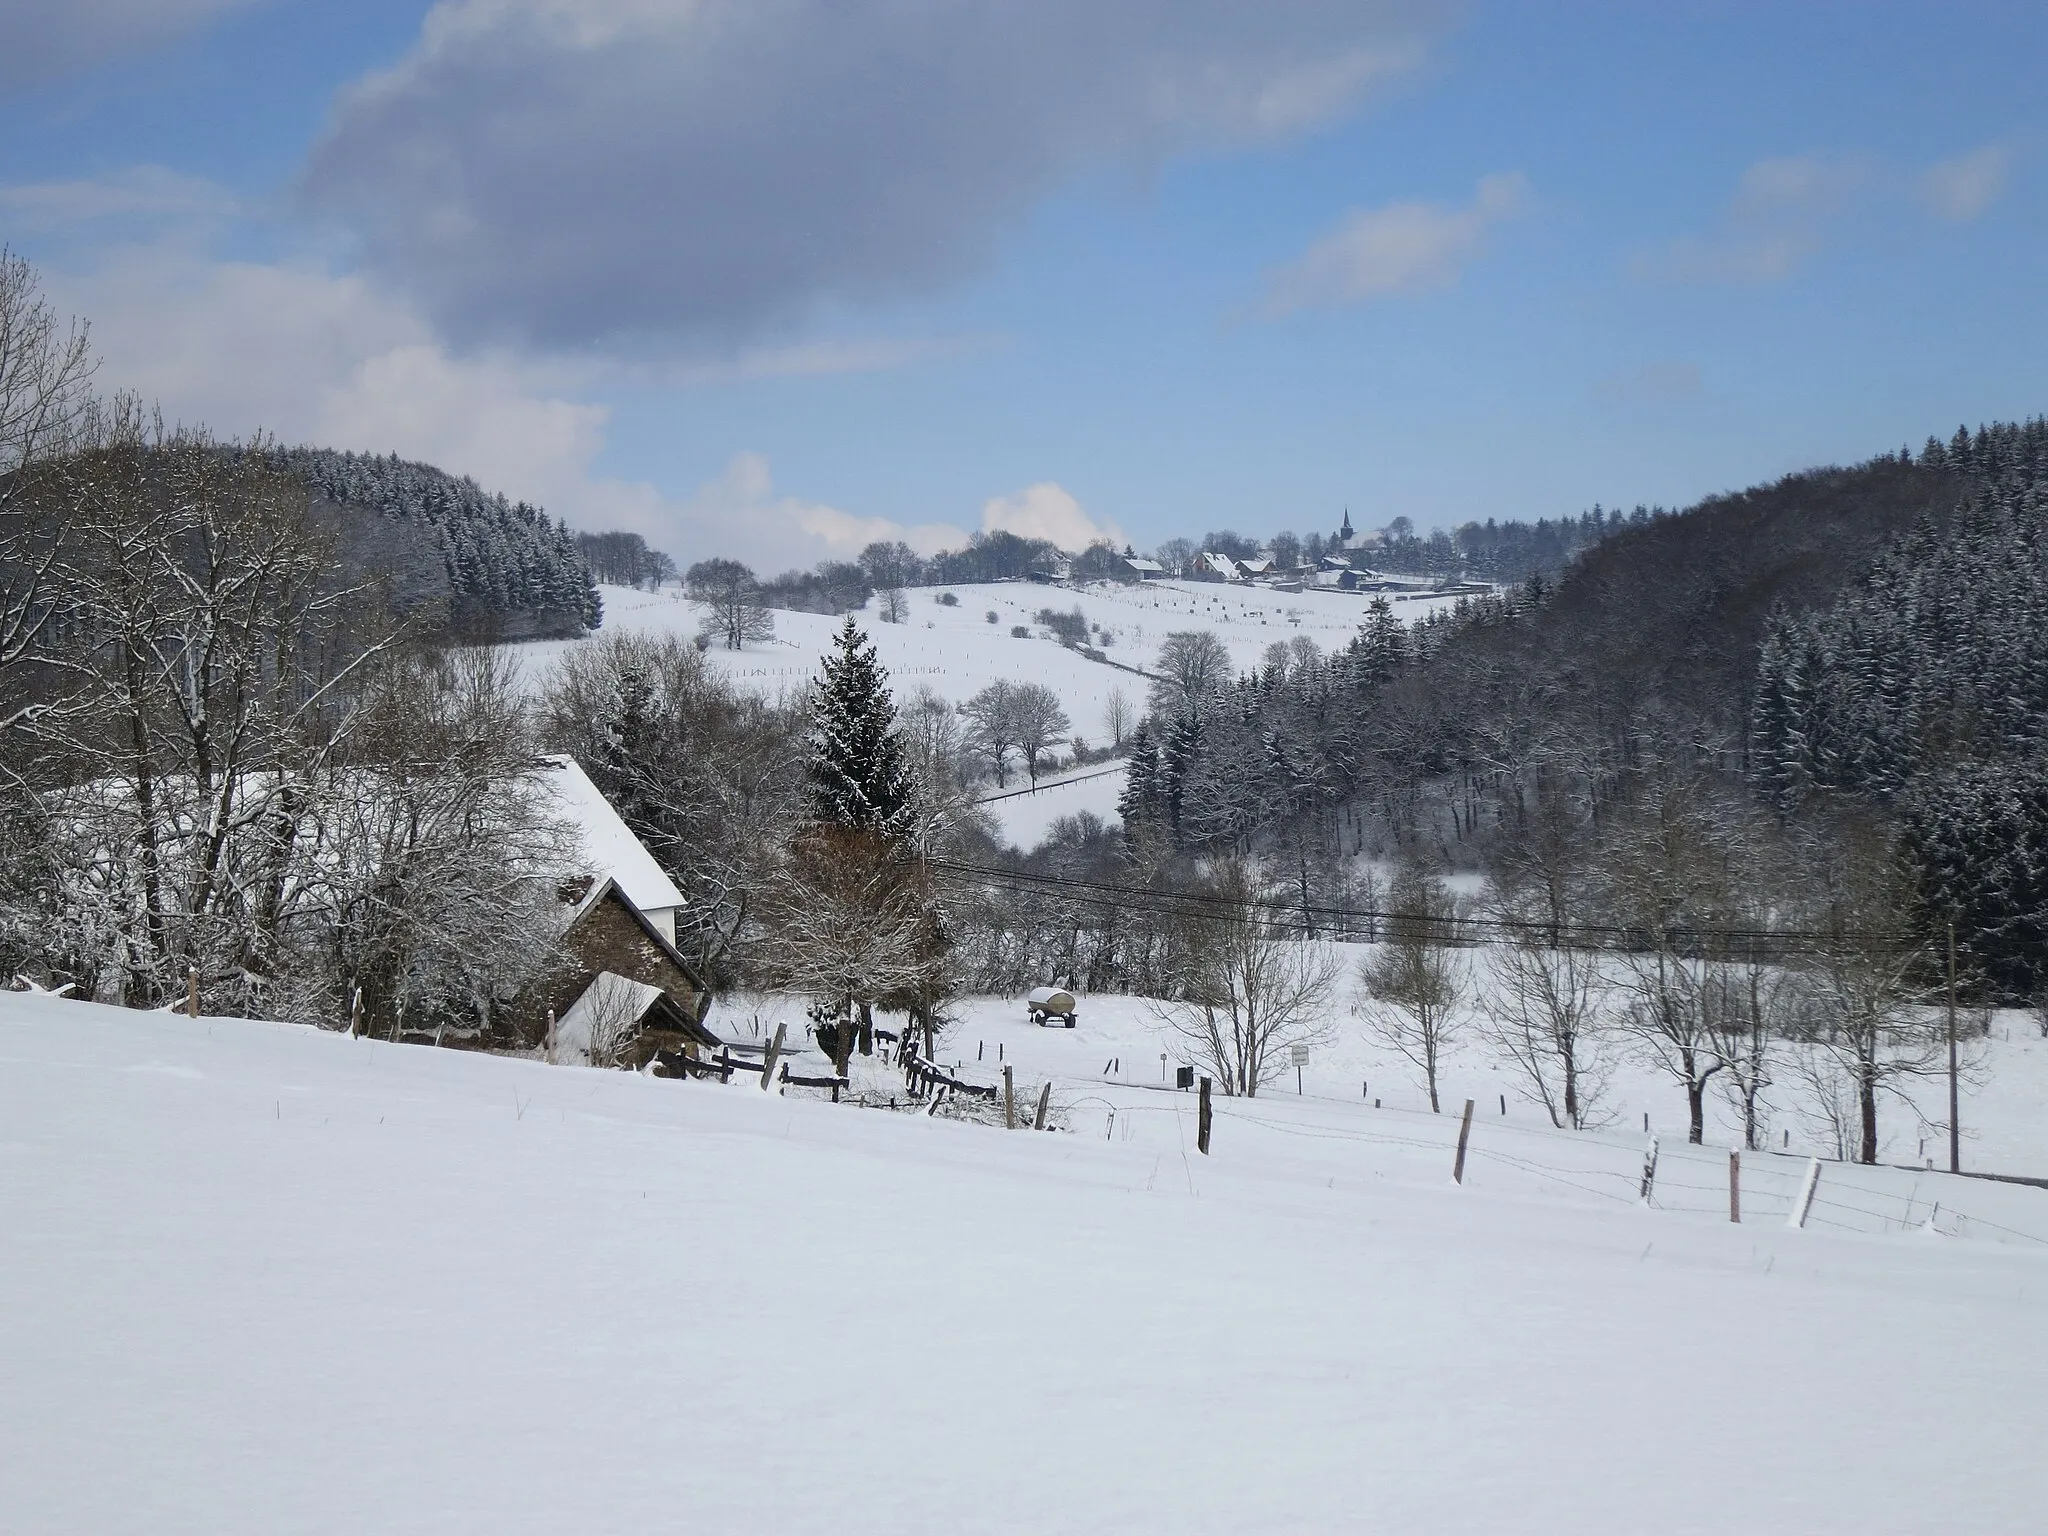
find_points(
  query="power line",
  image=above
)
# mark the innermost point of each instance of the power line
(1302, 916)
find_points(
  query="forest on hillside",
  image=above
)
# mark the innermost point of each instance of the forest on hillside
(480, 564)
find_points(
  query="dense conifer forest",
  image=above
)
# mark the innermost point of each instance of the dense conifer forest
(505, 568)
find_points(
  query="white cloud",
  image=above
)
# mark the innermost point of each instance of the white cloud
(579, 172)
(1046, 511)
(1962, 188)
(149, 194)
(739, 514)
(44, 40)
(1401, 248)
(313, 357)
(1776, 223)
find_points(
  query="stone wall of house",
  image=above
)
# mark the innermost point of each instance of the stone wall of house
(607, 939)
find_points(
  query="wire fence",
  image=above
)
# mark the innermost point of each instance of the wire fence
(1699, 1182)
(1342, 1137)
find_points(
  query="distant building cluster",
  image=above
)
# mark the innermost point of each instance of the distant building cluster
(1340, 563)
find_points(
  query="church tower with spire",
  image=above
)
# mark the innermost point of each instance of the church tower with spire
(1344, 534)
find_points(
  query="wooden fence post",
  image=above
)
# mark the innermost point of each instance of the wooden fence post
(768, 1061)
(551, 1037)
(1044, 1103)
(1649, 1171)
(1202, 1121)
(1804, 1203)
(1009, 1102)
(192, 993)
(1464, 1135)
(1734, 1185)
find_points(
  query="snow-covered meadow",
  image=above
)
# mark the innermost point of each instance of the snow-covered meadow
(956, 651)
(264, 1278)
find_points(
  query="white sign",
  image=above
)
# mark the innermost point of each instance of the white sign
(1301, 1055)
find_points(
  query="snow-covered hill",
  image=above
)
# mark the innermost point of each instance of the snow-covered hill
(958, 649)
(258, 1278)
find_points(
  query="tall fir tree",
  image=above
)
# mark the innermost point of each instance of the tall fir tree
(1140, 801)
(856, 776)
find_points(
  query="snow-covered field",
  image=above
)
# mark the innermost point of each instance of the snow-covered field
(1026, 813)
(260, 1278)
(955, 651)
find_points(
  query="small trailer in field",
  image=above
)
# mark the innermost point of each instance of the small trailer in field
(1047, 1003)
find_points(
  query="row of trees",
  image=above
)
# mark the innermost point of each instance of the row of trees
(624, 560)
(1843, 1015)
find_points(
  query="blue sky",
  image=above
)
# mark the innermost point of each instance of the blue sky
(773, 277)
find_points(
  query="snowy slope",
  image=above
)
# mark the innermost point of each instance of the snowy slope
(955, 651)
(263, 1279)
(1026, 813)
(2004, 1096)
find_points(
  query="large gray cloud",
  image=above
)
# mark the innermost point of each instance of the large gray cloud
(568, 172)
(45, 40)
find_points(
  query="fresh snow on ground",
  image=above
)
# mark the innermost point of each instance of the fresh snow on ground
(260, 1278)
(1026, 813)
(955, 651)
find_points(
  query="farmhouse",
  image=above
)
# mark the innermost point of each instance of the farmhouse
(623, 982)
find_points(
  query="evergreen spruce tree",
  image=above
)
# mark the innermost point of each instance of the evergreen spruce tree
(1139, 804)
(856, 776)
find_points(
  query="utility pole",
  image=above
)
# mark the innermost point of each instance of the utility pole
(1955, 1129)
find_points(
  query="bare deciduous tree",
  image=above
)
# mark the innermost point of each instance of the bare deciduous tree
(1866, 986)
(730, 597)
(1116, 718)
(1192, 664)
(992, 726)
(45, 406)
(1750, 1007)
(434, 861)
(1243, 993)
(1542, 1015)
(1416, 985)
(1039, 720)
(220, 668)
(1677, 863)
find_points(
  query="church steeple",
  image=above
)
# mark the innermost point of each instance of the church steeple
(1344, 534)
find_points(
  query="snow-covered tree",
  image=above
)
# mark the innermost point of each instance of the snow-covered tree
(854, 766)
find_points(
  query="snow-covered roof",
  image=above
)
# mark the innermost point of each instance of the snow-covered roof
(1258, 565)
(608, 845)
(1222, 565)
(1142, 566)
(608, 1006)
